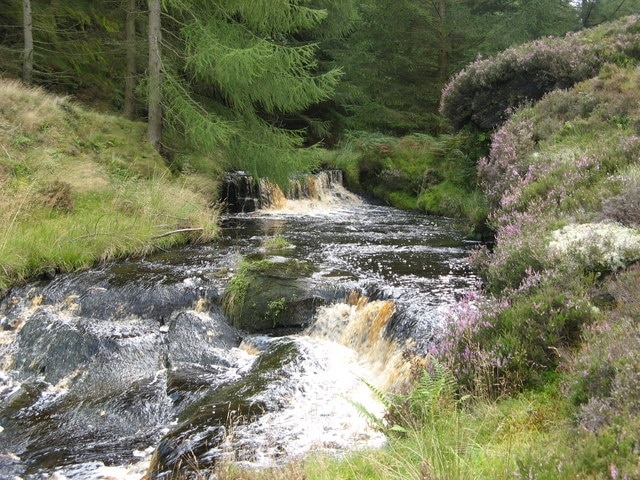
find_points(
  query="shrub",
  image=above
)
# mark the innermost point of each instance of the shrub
(498, 346)
(436, 175)
(579, 168)
(487, 91)
(603, 384)
(624, 208)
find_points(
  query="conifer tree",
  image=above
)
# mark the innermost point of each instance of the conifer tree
(130, 43)
(154, 128)
(242, 65)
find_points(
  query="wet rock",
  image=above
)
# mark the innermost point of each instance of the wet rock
(120, 290)
(240, 192)
(199, 339)
(273, 296)
(205, 423)
(52, 347)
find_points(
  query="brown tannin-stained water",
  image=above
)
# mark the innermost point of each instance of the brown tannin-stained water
(133, 368)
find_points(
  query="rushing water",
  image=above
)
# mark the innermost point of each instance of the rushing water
(102, 370)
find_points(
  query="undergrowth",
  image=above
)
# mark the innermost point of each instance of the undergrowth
(435, 175)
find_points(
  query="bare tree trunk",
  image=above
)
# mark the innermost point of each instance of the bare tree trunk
(130, 80)
(154, 130)
(27, 62)
(443, 44)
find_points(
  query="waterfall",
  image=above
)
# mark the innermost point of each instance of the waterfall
(241, 193)
(361, 324)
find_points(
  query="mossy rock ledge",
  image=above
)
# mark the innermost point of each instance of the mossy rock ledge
(272, 295)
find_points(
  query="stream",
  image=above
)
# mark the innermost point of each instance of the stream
(133, 368)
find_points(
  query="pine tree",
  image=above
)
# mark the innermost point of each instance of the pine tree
(238, 67)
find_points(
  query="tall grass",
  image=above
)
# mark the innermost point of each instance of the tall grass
(77, 187)
(445, 437)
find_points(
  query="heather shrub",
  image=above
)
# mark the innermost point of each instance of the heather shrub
(624, 208)
(603, 384)
(508, 161)
(498, 345)
(578, 169)
(487, 91)
(520, 248)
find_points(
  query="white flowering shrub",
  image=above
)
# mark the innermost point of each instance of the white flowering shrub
(596, 246)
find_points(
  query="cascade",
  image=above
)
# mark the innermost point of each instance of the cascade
(241, 193)
(133, 369)
(361, 324)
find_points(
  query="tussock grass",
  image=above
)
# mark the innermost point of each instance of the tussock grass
(78, 187)
(444, 438)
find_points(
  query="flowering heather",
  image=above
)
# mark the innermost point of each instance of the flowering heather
(603, 383)
(486, 91)
(496, 345)
(457, 345)
(556, 174)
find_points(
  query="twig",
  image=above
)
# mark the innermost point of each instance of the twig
(5, 151)
(181, 230)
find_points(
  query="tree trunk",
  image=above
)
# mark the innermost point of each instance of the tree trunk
(130, 80)
(154, 130)
(27, 65)
(443, 44)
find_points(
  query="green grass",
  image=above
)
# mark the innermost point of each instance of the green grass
(78, 187)
(443, 437)
(435, 175)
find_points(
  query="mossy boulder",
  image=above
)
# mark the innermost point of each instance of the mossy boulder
(271, 295)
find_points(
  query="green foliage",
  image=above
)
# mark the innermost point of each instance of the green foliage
(602, 383)
(401, 54)
(77, 48)
(441, 436)
(595, 12)
(432, 174)
(276, 243)
(248, 69)
(393, 73)
(432, 396)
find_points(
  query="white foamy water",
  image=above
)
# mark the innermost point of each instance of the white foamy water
(345, 353)
(319, 415)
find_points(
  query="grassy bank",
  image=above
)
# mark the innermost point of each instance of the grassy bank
(435, 175)
(78, 187)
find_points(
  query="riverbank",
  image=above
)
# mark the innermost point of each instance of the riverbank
(78, 187)
(535, 375)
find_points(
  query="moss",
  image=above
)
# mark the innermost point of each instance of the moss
(267, 295)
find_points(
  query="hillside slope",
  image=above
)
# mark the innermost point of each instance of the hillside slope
(78, 187)
(558, 313)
